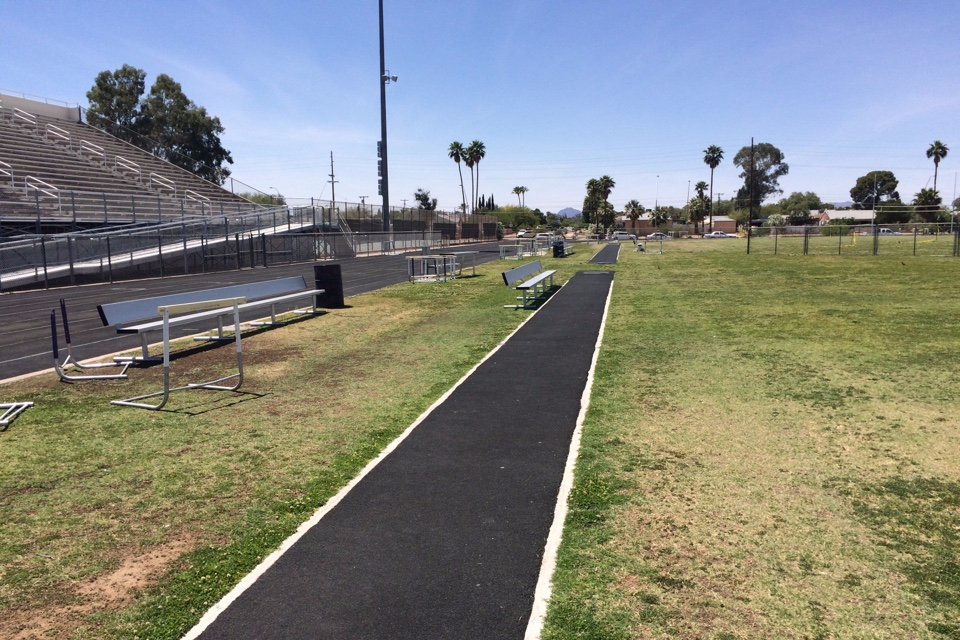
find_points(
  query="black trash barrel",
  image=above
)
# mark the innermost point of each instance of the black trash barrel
(328, 278)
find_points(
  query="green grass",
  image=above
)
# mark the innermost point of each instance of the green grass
(770, 451)
(776, 440)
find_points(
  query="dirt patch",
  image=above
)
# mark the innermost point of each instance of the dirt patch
(110, 591)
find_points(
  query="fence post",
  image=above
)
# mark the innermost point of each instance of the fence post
(43, 252)
(840, 235)
(36, 197)
(876, 240)
(263, 248)
(70, 260)
(133, 207)
(109, 262)
(186, 258)
(236, 239)
(806, 240)
(160, 252)
(73, 209)
(252, 253)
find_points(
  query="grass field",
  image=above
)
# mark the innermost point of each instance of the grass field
(770, 452)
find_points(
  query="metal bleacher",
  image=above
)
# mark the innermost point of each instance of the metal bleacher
(62, 168)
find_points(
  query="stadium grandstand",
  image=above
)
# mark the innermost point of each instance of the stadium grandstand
(79, 205)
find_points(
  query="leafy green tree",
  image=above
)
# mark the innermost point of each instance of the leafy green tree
(456, 153)
(874, 188)
(115, 101)
(606, 215)
(937, 151)
(712, 156)
(956, 204)
(797, 207)
(762, 167)
(424, 201)
(776, 220)
(927, 203)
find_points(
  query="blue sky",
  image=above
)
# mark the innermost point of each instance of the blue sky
(559, 91)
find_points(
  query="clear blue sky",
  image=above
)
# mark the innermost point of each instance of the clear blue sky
(560, 91)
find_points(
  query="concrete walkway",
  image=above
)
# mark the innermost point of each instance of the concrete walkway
(444, 537)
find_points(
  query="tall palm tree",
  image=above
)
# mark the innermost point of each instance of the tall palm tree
(467, 160)
(937, 151)
(456, 153)
(712, 156)
(476, 152)
(634, 210)
(605, 185)
(520, 192)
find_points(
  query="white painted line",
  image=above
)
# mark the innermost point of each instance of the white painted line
(541, 597)
(214, 612)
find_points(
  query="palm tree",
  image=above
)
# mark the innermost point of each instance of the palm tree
(634, 210)
(456, 153)
(520, 191)
(712, 156)
(927, 203)
(476, 152)
(936, 151)
(605, 185)
(467, 160)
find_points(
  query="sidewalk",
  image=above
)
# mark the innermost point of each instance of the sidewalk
(444, 538)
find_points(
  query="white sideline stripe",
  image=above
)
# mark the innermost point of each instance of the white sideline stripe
(541, 596)
(248, 581)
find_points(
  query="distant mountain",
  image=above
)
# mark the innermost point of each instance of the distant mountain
(569, 212)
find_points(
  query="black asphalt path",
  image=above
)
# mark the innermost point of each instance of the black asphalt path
(607, 255)
(25, 345)
(445, 537)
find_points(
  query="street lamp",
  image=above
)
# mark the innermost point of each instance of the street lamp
(385, 79)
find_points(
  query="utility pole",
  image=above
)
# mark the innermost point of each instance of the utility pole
(750, 195)
(333, 188)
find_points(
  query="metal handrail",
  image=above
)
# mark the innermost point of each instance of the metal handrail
(162, 182)
(6, 170)
(196, 197)
(93, 149)
(121, 163)
(23, 115)
(56, 132)
(30, 182)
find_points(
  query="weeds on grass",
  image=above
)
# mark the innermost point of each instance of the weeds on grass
(781, 468)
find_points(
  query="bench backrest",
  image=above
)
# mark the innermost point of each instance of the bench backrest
(119, 313)
(522, 272)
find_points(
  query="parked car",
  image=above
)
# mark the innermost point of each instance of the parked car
(658, 236)
(523, 233)
(718, 234)
(544, 236)
(885, 231)
(623, 235)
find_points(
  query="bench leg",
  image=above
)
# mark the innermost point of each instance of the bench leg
(214, 385)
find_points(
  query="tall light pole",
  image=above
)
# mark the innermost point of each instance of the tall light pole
(385, 78)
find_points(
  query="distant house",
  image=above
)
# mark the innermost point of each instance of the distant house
(859, 216)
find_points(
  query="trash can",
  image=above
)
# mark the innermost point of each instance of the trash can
(329, 278)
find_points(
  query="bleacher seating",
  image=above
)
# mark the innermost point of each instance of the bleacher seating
(83, 171)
